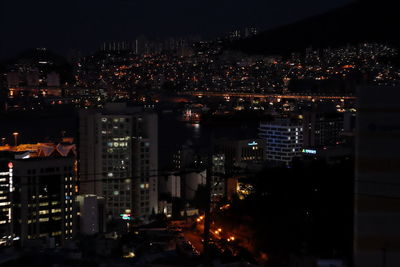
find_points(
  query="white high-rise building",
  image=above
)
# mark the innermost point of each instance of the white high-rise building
(118, 154)
(283, 139)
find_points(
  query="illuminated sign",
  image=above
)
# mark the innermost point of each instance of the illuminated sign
(309, 151)
(10, 171)
(254, 143)
(126, 216)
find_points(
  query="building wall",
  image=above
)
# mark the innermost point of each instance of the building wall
(322, 129)
(6, 188)
(377, 190)
(170, 185)
(119, 159)
(217, 179)
(91, 214)
(43, 198)
(241, 153)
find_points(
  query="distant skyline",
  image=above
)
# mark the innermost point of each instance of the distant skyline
(84, 24)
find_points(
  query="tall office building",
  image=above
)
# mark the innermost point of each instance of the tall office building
(322, 129)
(377, 184)
(118, 159)
(37, 191)
(283, 140)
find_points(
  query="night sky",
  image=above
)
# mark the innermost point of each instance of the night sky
(84, 24)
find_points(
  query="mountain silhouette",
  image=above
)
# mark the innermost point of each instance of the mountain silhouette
(357, 22)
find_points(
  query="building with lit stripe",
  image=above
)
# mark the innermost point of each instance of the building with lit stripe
(41, 185)
(6, 188)
(283, 140)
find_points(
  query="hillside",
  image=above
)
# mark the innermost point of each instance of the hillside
(361, 21)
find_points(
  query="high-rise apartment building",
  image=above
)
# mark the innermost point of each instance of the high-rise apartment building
(283, 140)
(118, 159)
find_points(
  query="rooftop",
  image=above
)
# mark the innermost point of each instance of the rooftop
(25, 151)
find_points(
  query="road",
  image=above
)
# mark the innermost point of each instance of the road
(195, 240)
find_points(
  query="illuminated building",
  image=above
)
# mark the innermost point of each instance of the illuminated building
(42, 185)
(118, 159)
(283, 140)
(217, 179)
(6, 188)
(241, 154)
(184, 158)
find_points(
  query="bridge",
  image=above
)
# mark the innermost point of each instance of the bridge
(257, 95)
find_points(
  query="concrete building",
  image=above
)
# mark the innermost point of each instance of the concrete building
(218, 182)
(42, 184)
(377, 178)
(283, 140)
(322, 129)
(118, 159)
(241, 154)
(191, 182)
(91, 214)
(170, 185)
(184, 158)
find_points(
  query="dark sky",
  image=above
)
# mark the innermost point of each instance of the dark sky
(84, 24)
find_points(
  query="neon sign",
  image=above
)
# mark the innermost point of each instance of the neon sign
(126, 216)
(309, 151)
(254, 143)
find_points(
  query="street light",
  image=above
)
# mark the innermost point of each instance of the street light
(3, 141)
(15, 138)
